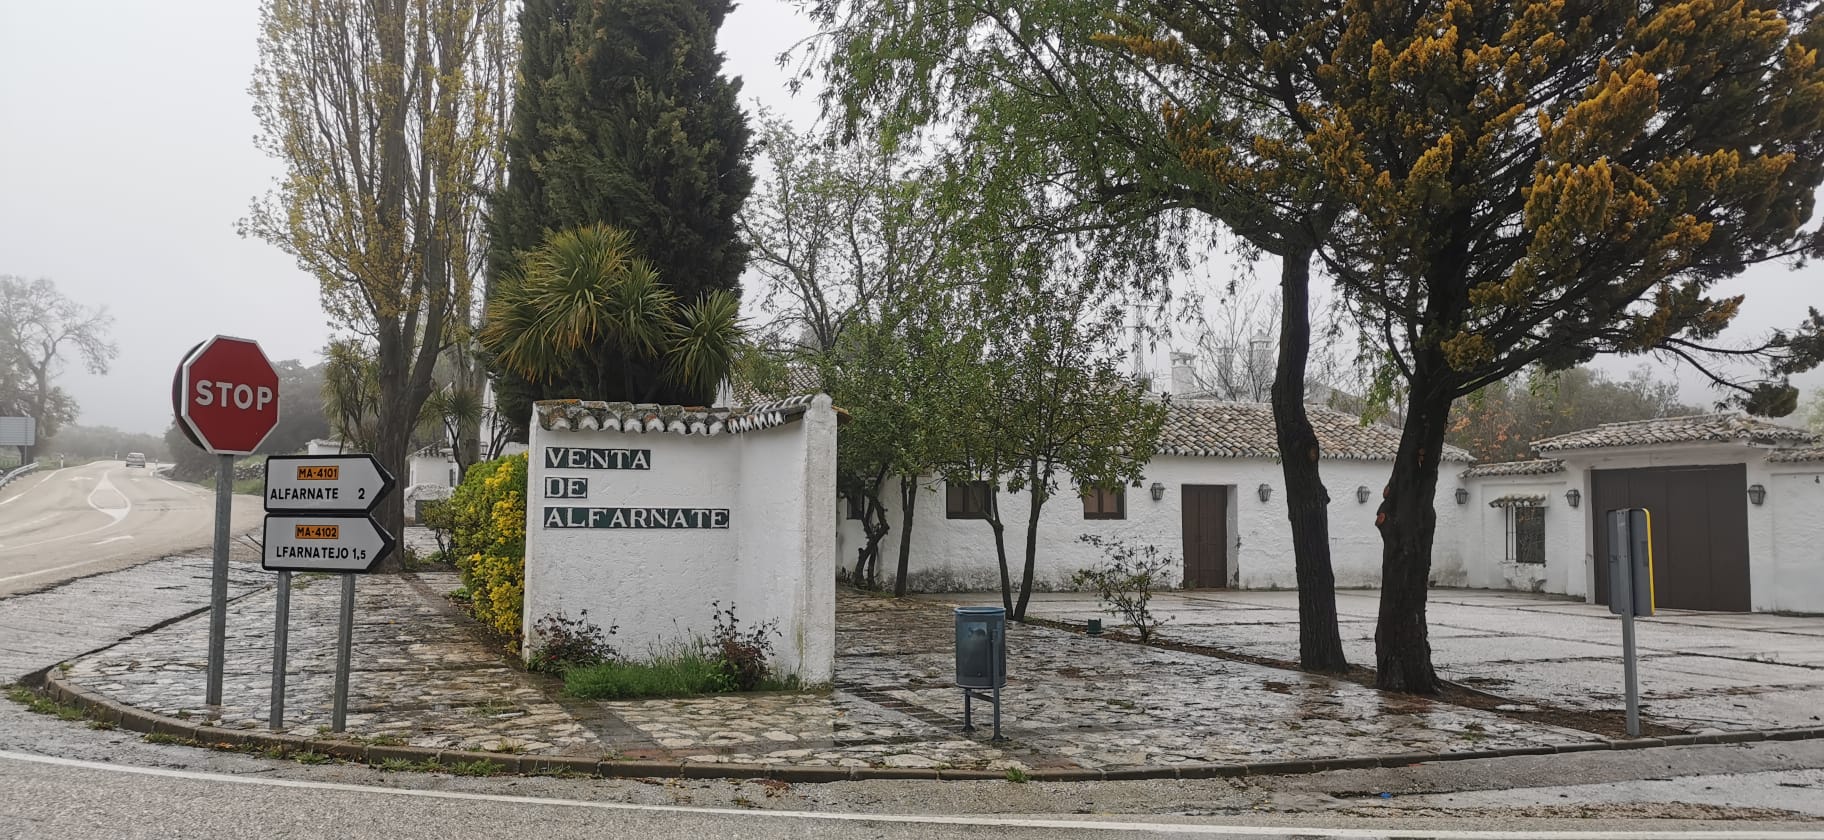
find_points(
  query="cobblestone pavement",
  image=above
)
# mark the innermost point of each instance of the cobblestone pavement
(39, 630)
(1698, 671)
(423, 675)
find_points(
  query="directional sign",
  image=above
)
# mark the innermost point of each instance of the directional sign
(226, 396)
(324, 543)
(325, 483)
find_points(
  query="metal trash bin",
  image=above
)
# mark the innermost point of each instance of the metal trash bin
(981, 659)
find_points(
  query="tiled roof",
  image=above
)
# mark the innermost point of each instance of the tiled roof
(799, 379)
(1519, 500)
(639, 418)
(1210, 429)
(1695, 428)
(1807, 453)
(1541, 466)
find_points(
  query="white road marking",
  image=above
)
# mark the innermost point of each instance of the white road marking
(112, 539)
(118, 513)
(13, 499)
(1388, 830)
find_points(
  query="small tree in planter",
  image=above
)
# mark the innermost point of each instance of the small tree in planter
(1125, 584)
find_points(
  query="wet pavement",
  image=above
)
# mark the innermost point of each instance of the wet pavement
(1698, 671)
(425, 676)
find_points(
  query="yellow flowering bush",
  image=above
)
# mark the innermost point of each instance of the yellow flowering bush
(487, 515)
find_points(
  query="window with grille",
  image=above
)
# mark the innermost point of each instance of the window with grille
(1102, 503)
(966, 500)
(1525, 534)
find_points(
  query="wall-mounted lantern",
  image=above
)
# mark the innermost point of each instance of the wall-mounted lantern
(1158, 491)
(1573, 496)
(1265, 492)
(1462, 495)
(1361, 494)
(1757, 494)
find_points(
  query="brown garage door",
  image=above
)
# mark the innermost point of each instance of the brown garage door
(1700, 532)
(1206, 536)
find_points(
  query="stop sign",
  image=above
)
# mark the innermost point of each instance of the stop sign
(226, 396)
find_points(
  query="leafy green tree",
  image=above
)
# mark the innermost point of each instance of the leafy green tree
(584, 289)
(1056, 404)
(301, 415)
(624, 118)
(385, 115)
(1052, 97)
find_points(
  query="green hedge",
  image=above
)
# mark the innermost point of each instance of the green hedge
(487, 517)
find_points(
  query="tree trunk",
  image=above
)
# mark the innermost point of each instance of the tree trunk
(908, 497)
(1408, 521)
(1320, 643)
(1000, 548)
(1036, 493)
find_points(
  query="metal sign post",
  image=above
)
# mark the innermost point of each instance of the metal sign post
(345, 642)
(281, 631)
(218, 580)
(226, 398)
(316, 520)
(1630, 593)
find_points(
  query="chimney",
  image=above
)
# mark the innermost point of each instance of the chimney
(1184, 379)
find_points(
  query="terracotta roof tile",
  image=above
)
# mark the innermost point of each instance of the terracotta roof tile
(1808, 453)
(1542, 466)
(640, 418)
(1695, 428)
(1519, 500)
(1207, 428)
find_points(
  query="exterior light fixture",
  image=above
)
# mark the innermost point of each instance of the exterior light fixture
(1757, 494)
(1266, 492)
(1462, 495)
(1573, 496)
(1158, 491)
(1361, 494)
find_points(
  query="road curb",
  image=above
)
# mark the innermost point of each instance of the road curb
(138, 720)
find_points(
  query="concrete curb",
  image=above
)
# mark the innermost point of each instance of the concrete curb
(137, 720)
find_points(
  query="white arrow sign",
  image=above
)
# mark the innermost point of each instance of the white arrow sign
(324, 483)
(323, 543)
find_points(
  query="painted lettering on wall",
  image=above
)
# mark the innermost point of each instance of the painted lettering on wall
(635, 517)
(582, 458)
(557, 487)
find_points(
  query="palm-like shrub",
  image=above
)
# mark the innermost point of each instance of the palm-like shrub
(587, 286)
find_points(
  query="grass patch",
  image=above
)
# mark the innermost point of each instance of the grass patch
(308, 757)
(39, 704)
(682, 672)
(102, 725)
(1017, 776)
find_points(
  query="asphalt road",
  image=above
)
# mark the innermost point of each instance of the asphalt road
(70, 798)
(67, 523)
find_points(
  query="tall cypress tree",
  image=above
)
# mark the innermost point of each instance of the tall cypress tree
(623, 117)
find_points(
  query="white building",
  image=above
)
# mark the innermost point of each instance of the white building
(1737, 507)
(1214, 495)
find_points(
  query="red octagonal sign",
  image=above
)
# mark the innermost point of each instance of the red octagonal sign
(227, 396)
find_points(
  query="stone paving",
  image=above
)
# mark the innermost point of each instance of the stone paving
(424, 675)
(1698, 671)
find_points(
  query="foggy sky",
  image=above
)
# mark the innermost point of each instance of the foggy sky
(127, 156)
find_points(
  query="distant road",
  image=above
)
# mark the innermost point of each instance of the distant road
(66, 523)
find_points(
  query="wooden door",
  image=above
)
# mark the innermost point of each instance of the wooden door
(1206, 536)
(1700, 532)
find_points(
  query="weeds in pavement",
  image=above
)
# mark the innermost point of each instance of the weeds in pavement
(167, 738)
(478, 767)
(1017, 776)
(308, 757)
(102, 725)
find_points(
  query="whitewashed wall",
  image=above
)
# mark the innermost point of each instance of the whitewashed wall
(775, 559)
(1795, 507)
(1483, 535)
(1785, 535)
(958, 554)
